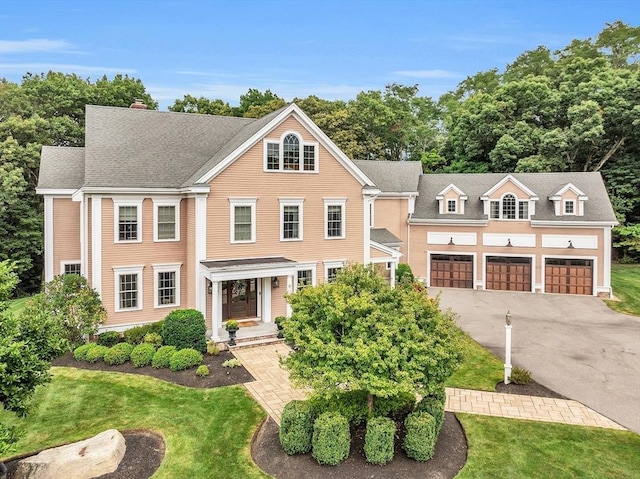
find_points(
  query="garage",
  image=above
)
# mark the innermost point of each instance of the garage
(451, 271)
(568, 276)
(507, 273)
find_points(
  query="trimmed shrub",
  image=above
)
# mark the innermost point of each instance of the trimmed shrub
(185, 328)
(136, 335)
(232, 363)
(296, 427)
(433, 406)
(142, 355)
(379, 439)
(95, 353)
(108, 338)
(520, 376)
(162, 357)
(404, 273)
(212, 348)
(331, 439)
(440, 394)
(202, 371)
(184, 359)
(80, 353)
(421, 436)
(353, 405)
(153, 338)
(400, 405)
(118, 354)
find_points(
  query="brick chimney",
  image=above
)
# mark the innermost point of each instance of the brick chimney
(138, 105)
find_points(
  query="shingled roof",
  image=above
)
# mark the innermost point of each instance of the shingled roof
(392, 176)
(61, 167)
(596, 208)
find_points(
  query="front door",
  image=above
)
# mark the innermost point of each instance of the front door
(239, 299)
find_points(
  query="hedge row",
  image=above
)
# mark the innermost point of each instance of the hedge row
(143, 354)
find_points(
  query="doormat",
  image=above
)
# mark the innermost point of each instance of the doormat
(247, 324)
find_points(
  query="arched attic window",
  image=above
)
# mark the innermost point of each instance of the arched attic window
(509, 207)
(291, 152)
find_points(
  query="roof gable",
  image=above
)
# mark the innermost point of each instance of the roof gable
(509, 179)
(451, 187)
(569, 186)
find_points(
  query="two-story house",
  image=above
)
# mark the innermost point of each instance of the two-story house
(166, 210)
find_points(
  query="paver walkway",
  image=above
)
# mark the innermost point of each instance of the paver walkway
(272, 389)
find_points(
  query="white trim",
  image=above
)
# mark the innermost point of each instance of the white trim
(122, 270)
(166, 268)
(447, 221)
(509, 255)
(459, 239)
(503, 239)
(401, 194)
(606, 280)
(119, 202)
(233, 203)
(299, 202)
(335, 202)
(48, 238)
(394, 253)
(96, 243)
(64, 263)
(518, 184)
(574, 224)
(157, 202)
(84, 240)
(565, 188)
(56, 191)
(594, 272)
(566, 202)
(563, 241)
(200, 235)
(430, 253)
(301, 144)
(332, 264)
(306, 267)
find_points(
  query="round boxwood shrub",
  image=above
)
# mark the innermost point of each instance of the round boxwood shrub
(136, 335)
(440, 394)
(296, 427)
(95, 353)
(80, 353)
(108, 338)
(202, 371)
(142, 355)
(184, 359)
(421, 436)
(378, 440)
(185, 328)
(153, 338)
(331, 439)
(433, 406)
(162, 357)
(118, 354)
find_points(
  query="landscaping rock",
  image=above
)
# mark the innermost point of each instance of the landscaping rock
(86, 459)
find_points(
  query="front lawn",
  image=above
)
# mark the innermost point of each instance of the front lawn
(625, 280)
(480, 369)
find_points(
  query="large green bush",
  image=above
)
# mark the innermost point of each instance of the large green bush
(331, 440)
(95, 353)
(379, 440)
(421, 436)
(80, 353)
(354, 406)
(184, 359)
(296, 427)
(118, 354)
(142, 355)
(108, 338)
(162, 357)
(433, 406)
(185, 328)
(136, 335)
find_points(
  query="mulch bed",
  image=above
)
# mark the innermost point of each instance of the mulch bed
(531, 389)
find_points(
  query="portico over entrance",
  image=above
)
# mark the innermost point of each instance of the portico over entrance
(247, 288)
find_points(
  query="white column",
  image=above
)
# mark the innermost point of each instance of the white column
(507, 350)
(606, 283)
(201, 251)
(83, 237)
(392, 281)
(290, 283)
(96, 243)
(48, 238)
(266, 300)
(216, 310)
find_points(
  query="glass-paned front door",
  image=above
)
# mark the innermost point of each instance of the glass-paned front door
(239, 299)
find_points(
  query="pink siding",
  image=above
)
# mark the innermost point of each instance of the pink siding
(391, 213)
(66, 232)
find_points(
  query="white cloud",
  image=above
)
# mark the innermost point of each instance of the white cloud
(34, 45)
(61, 67)
(427, 74)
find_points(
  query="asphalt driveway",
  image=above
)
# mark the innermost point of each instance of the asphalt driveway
(574, 345)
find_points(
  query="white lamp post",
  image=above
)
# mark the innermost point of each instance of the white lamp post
(507, 349)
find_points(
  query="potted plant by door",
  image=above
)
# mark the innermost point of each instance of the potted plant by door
(232, 327)
(279, 320)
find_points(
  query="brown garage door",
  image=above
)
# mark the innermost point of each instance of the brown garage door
(451, 271)
(568, 276)
(508, 274)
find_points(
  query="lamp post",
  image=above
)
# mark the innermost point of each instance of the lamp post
(507, 349)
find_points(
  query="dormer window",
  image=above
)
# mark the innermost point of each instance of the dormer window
(569, 207)
(451, 206)
(508, 207)
(451, 200)
(505, 209)
(569, 201)
(290, 154)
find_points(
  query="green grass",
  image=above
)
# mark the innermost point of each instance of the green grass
(16, 305)
(625, 280)
(479, 370)
(207, 432)
(508, 448)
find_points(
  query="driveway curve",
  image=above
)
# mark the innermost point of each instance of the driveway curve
(574, 345)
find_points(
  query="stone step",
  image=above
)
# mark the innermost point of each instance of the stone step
(253, 342)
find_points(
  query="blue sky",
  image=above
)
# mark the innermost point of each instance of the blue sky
(329, 48)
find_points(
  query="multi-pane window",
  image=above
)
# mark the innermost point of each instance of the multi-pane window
(72, 268)
(128, 223)
(495, 210)
(509, 207)
(273, 156)
(166, 222)
(569, 207)
(305, 278)
(291, 222)
(335, 219)
(291, 152)
(309, 157)
(166, 288)
(451, 206)
(523, 210)
(332, 273)
(242, 223)
(128, 291)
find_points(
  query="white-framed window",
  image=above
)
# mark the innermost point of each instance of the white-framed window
(128, 286)
(569, 207)
(494, 210)
(305, 275)
(523, 210)
(290, 153)
(291, 219)
(166, 285)
(71, 267)
(166, 219)
(509, 208)
(127, 216)
(243, 220)
(331, 269)
(334, 215)
(451, 206)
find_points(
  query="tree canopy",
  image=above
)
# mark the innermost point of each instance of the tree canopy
(359, 334)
